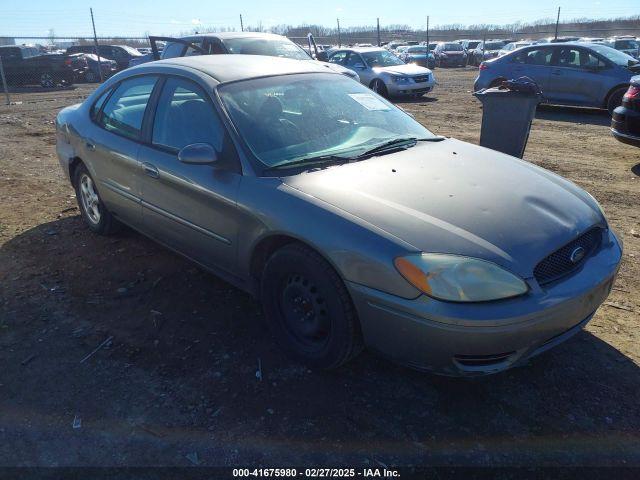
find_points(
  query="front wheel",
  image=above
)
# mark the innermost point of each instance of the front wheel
(615, 99)
(379, 87)
(308, 308)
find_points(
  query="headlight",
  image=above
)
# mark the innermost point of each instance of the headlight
(398, 79)
(459, 279)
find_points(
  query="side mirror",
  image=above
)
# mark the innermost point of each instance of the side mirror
(322, 56)
(198, 154)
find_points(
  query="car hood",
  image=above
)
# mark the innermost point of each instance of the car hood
(455, 197)
(404, 69)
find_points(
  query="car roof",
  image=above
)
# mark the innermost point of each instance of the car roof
(369, 49)
(229, 68)
(229, 35)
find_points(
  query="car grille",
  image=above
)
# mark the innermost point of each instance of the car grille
(421, 79)
(559, 263)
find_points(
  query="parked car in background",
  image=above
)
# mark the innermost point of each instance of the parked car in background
(510, 47)
(591, 40)
(450, 54)
(576, 74)
(92, 74)
(25, 65)
(625, 121)
(121, 54)
(418, 54)
(351, 222)
(485, 51)
(628, 45)
(469, 45)
(384, 72)
(393, 45)
(245, 43)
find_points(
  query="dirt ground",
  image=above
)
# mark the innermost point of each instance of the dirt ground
(176, 383)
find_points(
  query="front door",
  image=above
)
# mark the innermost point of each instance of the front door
(190, 208)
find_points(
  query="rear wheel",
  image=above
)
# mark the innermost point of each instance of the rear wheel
(94, 213)
(615, 99)
(46, 80)
(379, 87)
(496, 83)
(308, 308)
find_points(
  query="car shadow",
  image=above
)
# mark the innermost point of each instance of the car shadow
(418, 100)
(558, 113)
(161, 359)
(636, 169)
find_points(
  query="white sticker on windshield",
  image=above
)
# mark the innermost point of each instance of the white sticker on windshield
(369, 102)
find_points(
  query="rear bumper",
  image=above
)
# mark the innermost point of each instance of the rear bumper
(483, 338)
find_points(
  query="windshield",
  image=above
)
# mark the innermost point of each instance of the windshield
(268, 47)
(287, 118)
(452, 47)
(616, 56)
(473, 45)
(131, 50)
(381, 58)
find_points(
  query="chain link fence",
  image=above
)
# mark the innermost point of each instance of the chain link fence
(37, 63)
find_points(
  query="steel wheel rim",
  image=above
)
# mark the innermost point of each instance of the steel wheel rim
(376, 86)
(90, 200)
(304, 311)
(46, 80)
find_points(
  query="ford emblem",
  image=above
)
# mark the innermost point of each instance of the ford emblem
(577, 255)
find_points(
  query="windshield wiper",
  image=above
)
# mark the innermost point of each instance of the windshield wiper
(310, 161)
(396, 143)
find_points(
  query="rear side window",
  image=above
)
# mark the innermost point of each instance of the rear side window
(95, 109)
(536, 56)
(184, 116)
(124, 111)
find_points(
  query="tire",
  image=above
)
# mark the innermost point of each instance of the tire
(379, 87)
(90, 77)
(93, 211)
(615, 99)
(308, 308)
(47, 80)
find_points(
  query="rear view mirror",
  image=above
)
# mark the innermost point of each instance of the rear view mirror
(198, 154)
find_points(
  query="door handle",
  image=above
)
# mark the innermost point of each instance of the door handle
(90, 146)
(150, 170)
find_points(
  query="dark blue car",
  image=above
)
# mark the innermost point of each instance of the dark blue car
(575, 74)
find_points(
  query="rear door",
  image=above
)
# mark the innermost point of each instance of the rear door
(112, 143)
(534, 63)
(190, 208)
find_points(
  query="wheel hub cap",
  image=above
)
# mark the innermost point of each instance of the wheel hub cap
(90, 200)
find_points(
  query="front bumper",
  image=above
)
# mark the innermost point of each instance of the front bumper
(397, 89)
(483, 338)
(625, 125)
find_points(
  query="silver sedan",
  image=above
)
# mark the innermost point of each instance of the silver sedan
(352, 223)
(384, 72)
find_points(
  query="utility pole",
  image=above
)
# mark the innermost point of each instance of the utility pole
(241, 24)
(378, 29)
(339, 38)
(95, 43)
(557, 22)
(428, 38)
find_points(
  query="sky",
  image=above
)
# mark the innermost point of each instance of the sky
(22, 18)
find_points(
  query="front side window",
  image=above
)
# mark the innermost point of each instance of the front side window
(291, 118)
(338, 57)
(185, 116)
(124, 111)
